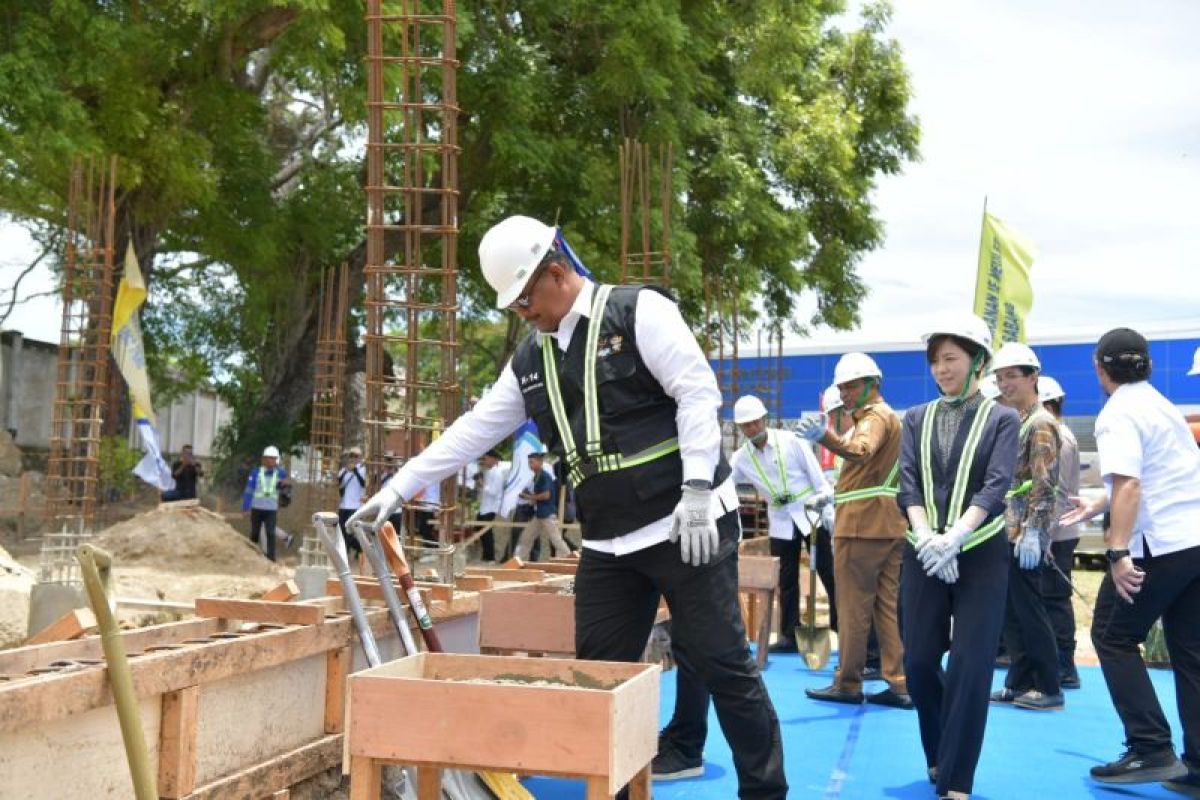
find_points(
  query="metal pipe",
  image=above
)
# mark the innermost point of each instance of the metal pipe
(366, 539)
(328, 531)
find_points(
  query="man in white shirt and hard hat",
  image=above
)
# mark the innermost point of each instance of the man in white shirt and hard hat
(868, 538)
(1056, 579)
(622, 393)
(1151, 469)
(783, 469)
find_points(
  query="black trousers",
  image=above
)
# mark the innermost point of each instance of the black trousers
(1028, 636)
(1171, 590)
(1056, 594)
(952, 704)
(488, 542)
(788, 552)
(616, 598)
(352, 545)
(260, 519)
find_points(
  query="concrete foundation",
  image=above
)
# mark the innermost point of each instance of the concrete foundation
(49, 601)
(311, 581)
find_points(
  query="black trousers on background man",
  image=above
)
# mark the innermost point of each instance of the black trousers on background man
(788, 552)
(352, 545)
(261, 519)
(1056, 594)
(487, 542)
(1171, 590)
(1028, 636)
(952, 704)
(616, 599)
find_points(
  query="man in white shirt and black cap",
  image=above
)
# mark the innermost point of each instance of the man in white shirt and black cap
(1151, 468)
(621, 391)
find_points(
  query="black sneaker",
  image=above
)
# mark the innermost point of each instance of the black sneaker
(1004, 695)
(1187, 785)
(891, 699)
(1133, 767)
(1033, 700)
(1069, 678)
(671, 765)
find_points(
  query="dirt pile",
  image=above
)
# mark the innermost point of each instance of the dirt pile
(15, 584)
(188, 541)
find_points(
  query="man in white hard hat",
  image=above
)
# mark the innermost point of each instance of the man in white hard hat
(782, 469)
(260, 500)
(1033, 674)
(868, 537)
(1056, 581)
(623, 394)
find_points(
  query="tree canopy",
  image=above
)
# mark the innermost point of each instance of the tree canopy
(239, 128)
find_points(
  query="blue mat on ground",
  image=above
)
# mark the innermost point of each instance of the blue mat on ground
(841, 752)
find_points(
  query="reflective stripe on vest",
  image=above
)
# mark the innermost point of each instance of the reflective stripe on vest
(264, 487)
(889, 488)
(781, 498)
(594, 460)
(959, 491)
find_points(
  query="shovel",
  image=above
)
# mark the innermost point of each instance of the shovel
(811, 640)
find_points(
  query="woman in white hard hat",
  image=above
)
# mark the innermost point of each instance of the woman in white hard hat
(956, 466)
(1032, 681)
(260, 500)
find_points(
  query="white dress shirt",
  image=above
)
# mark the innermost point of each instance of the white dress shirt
(802, 472)
(1140, 434)
(492, 490)
(352, 490)
(670, 352)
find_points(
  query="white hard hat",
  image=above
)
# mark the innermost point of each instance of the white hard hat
(831, 399)
(271, 452)
(748, 408)
(853, 366)
(964, 326)
(1195, 370)
(988, 387)
(1015, 354)
(509, 253)
(1049, 389)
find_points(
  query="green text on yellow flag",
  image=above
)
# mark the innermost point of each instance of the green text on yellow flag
(127, 347)
(1003, 293)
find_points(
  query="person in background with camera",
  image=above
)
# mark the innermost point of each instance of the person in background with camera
(1151, 469)
(352, 482)
(261, 499)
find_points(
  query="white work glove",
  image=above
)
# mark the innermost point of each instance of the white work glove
(694, 526)
(818, 501)
(924, 537)
(812, 427)
(1029, 548)
(941, 549)
(949, 573)
(376, 511)
(828, 518)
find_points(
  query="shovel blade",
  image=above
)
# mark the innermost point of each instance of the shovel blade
(815, 645)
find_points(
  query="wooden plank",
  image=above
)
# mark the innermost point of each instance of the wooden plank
(527, 621)
(438, 591)
(473, 583)
(516, 575)
(153, 605)
(259, 611)
(177, 753)
(366, 778)
(280, 772)
(71, 625)
(369, 589)
(758, 572)
(337, 666)
(283, 592)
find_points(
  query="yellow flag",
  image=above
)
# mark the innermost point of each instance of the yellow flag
(127, 347)
(1003, 294)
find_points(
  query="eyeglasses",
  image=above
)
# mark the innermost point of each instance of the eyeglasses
(524, 299)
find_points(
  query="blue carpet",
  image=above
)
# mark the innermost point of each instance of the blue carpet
(834, 751)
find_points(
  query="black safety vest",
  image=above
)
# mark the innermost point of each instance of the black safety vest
(636, 415)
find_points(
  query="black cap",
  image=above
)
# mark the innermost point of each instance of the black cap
(1121, 341)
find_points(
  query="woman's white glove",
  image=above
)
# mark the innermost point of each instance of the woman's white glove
(694, 526)
(942, 549)
(376, 511)
(1029, 549)
(923, 537)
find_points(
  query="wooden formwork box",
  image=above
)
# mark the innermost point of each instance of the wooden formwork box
(758, 584)
(597, 720)
(226, 714)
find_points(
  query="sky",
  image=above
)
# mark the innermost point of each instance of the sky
(1077, 121)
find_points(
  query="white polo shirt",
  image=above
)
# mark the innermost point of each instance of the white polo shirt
(1140, 434)
(492, 491)
(801, 478)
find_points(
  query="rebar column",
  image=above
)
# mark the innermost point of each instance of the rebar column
(412, 235)
(651, 264)
(329, 391)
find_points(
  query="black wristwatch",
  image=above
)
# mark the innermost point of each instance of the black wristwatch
(1114, 556)
(698, 484)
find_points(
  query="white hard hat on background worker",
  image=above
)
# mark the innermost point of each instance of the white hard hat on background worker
(510, 252)
(831, 400)
(1049, 389)
(988, 387)
(853, 366)
(271, 452)
(748, 408)
(1015, 354)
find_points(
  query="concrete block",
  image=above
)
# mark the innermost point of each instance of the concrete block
(50, 601)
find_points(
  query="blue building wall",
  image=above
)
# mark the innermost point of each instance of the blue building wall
(906, 379)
